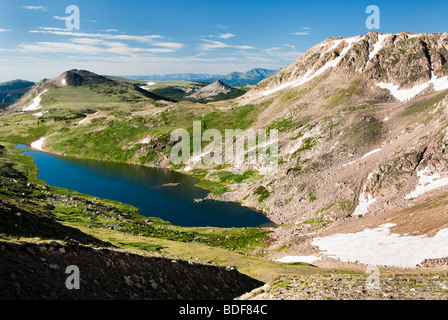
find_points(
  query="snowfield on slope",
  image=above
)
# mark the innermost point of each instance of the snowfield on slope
(35, 104)
(402, 95)
(309, 75)
(427, 182)
(380, 247)
(296, 259)
(38, 144)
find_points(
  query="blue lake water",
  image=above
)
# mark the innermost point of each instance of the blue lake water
(143, 188)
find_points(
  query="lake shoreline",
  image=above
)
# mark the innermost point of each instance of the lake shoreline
(205, 198)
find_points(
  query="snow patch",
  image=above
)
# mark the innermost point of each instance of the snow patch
(363, 157)
(381, 247)
(439, 83)
(39, 114)
(378, 45)
(365, 200)
(38, 144)
(427, 182)
(147, 85)
(402, 95)
(335, 45)
(309, 75)
(293, 259)
(144, 140)
(64, 82)
(370, 153)
(35, 104)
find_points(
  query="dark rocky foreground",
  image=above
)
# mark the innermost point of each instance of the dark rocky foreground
(37, 272)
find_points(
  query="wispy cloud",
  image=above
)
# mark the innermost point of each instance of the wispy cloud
(5, 30)
(212, 45)
(37, 8)
(220, 26)
(221, 36)
(85, 46)
(148, 39)
(305, 31)
(301, 33)
(226, 35)
(60, 18)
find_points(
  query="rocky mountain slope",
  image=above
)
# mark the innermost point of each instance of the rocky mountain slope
(37, 272)
(363, 135)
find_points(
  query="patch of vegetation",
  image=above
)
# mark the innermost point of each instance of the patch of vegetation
(287, 124)
(316, 223)
(341, 96)
(110, 143)
(262, 192)
(199, 173)
(215, 188)
(364, 131)
(238, 118)
(423, 105)
(307, 144)
(229, 177)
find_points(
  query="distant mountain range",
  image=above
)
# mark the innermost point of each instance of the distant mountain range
(11, 91)
(253, 76)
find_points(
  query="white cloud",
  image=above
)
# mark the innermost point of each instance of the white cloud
(59, 47)
(212, 45)
(148, 39)
(37, 8)
(305, 31)
(60, 18)
(226, 35)
(88, 46)
(172, 45)
(301, 33)
(5, 30)
(52, 29)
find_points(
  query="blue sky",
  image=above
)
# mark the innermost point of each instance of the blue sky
(159, 37)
